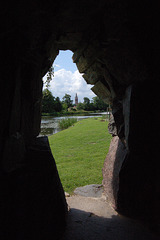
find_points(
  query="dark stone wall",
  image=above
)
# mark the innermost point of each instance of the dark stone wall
(116, 47)
(131, 169)
(32, 201)
(139, 176)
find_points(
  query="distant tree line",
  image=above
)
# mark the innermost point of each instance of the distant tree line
(95, 104)
(50, 104)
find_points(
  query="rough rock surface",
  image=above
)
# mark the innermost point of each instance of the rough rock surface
(111, 169)
(93, 190)
(115, 46)
(112, 126)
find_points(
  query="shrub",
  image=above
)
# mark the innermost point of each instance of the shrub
(67, 122)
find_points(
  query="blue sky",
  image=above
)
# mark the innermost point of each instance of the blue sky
(64, 60)
(67, 78)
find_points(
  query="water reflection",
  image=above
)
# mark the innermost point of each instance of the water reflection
(49, 125)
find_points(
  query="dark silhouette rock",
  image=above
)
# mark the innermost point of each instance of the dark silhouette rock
(33, 204)
(115, 46)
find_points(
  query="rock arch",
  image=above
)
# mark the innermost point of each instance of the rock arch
(116, 47)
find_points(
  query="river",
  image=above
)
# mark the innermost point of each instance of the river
(49, 125)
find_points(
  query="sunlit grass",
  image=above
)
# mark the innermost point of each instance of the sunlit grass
(80, 152)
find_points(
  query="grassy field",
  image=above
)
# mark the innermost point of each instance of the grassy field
(80, 151)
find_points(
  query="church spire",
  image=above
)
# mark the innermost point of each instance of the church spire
(76, 100)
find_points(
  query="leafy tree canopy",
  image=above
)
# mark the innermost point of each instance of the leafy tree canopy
(86, 100)
(50, 104)
(99, 104)
(67, 100)
(50, 75)
(80, 106)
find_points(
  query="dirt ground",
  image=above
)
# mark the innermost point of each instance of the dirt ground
(92, 218)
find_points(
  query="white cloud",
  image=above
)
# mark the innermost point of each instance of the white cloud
(71, 83)
(56, 66)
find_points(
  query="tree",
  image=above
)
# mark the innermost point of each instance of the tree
(64, 106)
(91, 107)
(58, 105)
(86, 103)
(80, 106)
(99, 104)
(67, 100)
(48, 102)
(49, 76)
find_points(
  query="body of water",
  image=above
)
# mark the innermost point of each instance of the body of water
(49, 125)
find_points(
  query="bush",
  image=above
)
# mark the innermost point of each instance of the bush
(67, 122)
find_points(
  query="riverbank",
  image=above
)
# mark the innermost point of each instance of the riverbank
(80, 151)
(70, 113)
(50, 124)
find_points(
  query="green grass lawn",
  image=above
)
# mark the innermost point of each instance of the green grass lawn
(80, 151)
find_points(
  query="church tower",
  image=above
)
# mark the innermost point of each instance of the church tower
(76, 100)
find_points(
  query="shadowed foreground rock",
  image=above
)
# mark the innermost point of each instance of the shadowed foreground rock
(92, 190)
(32, 202)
